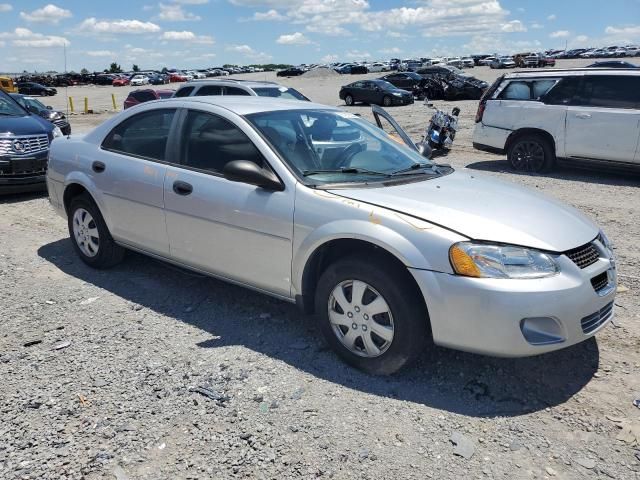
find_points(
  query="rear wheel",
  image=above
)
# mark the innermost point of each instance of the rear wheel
(348, 100)
(90, 236)
(386, 101)
(531, 153)
(371, 314)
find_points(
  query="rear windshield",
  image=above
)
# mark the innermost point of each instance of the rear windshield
(279, 92)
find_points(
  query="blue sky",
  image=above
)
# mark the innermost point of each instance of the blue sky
(200, 33)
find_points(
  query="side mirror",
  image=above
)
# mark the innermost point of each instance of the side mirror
(244, 171)
(49, 107)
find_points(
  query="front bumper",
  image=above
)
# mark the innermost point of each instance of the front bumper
(515, 318)
(402, 100)
(17, 179)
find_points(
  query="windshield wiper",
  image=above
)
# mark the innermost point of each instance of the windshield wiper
(306, 173)
(412, 169)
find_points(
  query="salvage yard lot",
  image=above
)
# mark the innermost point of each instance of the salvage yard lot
(99, 368)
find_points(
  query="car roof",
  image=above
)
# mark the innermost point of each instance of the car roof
(231, 81)
(247, 105)
(558, 72)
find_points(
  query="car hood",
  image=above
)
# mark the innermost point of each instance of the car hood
(27, 125)
(484, 208)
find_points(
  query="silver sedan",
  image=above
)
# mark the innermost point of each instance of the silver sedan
(317, 206)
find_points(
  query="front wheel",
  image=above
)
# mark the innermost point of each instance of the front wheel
(371, 314)
(531, 153)
(348, 100)
(90, 236)
(386, 101)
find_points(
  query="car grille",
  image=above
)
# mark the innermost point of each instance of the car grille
(584, 256)
(600, 281)
(591, 322)
(23, 145)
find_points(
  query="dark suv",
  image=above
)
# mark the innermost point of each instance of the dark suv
(24, 147)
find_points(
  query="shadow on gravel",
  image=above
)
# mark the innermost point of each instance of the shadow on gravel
(7, 199)
(603, 175)
(443, 379)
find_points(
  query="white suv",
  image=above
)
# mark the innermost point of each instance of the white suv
(579, 114)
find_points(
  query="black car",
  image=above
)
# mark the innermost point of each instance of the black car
(290, 72)
(405, 80)
(613, 64)
(35, 106)
(24, 147)
(376, 92)
(158, 79)
(32, 88)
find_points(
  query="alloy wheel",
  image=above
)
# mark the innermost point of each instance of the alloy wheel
(361, 318)
(528, 156)
(85, 232)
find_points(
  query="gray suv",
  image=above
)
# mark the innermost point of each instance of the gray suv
(232, 86)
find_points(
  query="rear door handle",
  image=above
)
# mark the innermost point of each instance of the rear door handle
(182, 188)
(98, 167)
(583, 115)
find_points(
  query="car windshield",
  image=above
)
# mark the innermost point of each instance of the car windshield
(10, 108)
(32, 102)
(324, 146)
(280, 92)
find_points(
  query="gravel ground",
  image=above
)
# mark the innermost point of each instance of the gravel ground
(149, 372)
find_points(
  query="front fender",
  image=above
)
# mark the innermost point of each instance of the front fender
(80, 178)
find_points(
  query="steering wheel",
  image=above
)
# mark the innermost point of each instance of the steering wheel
(345, 158)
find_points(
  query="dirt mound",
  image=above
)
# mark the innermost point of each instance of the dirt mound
(321, 72)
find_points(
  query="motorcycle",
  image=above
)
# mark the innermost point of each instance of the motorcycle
(442, 128)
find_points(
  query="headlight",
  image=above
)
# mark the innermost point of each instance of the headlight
(500, 261)
(606, 243)
(57, 132)
(395, 94)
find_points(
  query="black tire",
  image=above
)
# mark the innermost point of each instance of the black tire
(408, 311)
(386, 101)
(532, 153)
(348, 100)
(109, 253)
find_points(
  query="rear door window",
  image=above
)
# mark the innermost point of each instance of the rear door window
(209, 90)
(143, 135)
(563, 92)
(235, 91)
(527, 89)
(184, 92)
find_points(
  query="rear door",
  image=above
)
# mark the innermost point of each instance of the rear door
(130, 174)
(603, 121)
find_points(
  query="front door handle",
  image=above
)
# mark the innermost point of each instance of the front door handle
(182, 188)
(583, 115)
(98, 167)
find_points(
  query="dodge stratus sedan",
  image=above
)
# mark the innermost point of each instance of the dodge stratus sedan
(317, 206)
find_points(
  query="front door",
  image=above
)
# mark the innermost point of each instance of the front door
(233, 230)
(130, 174)
(604, 120)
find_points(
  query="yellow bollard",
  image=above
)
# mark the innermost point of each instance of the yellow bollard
(71, 104)
(86, 105)
(113, 100)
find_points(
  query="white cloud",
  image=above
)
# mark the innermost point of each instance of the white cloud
(47, 14)
(100, 53)
(188, 36)
(500, 44)
(633, 30)
(580, 40)
(329, 58)
(390, 51)
(91, 25)
(296, 38)
(537, 26)
(270, 15)
(560, 34)
(357, 55)
(192, 2)
(552, 17)
(22, 37)
(248, 52)
(5, 7)
(513, 26)
(175, 13)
